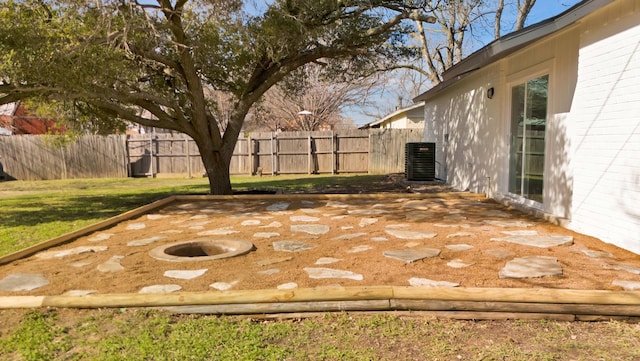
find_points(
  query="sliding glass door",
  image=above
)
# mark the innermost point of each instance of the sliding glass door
(528, 125)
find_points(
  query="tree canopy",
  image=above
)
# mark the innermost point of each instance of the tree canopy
(163, 63)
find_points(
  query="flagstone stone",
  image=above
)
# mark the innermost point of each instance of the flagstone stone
(269, 272)
(270, 261)
(79, 264)
(185, 274)
(406, 234)
(291, 246)
(100, 237)
(193, 225)
(336, 204)
(136, 226)
(70, 252)
(274, 224)
(187, 206)
(597, 254)
(160, 289)
(622, 267)
(412, 255)
(310, 228)
(79, 293)
(111, 265)
(627, 285)
(425, 282)
(155, 216)
(359, 249)
(304, 219)
(222, 286)
(319, 273)
(417, 216)
(287, 286)
(172, 231)
(349, 236)
(413, 244)
(23, 282)
(455, 217)
(506, 224)
(280, 206)
(537, 240)
(199, 216)
(379, 239)
(458, 263)
(310, 210)
(461, 234)
(346, 228)
(364, 222)
(531, 267)
(266, 234)
(522, 232)
(420, 205)
(335, 218)
(211, 210)
(452, 225)
(499, 253)
(250, 222)
(367, 212)
(218, 232)
(145, 241)
(327, 260)
(459, 247)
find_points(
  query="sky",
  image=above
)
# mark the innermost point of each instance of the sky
(542, 10)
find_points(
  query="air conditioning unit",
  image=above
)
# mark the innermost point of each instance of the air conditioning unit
(420, 161)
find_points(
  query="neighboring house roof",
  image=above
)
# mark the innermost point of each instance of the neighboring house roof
(511, 43)
(15, 119)
(8, 109)
(376, 122)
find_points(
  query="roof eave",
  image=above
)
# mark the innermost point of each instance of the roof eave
(511, 43)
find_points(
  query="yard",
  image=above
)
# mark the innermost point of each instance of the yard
(32, 212)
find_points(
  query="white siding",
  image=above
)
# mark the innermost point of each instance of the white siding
(466, 127)
(606, 127)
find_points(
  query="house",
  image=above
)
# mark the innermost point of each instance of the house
(411, 117)
(548, 118)
(15, 119)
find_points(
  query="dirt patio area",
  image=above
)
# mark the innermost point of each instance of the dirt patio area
(356, 236)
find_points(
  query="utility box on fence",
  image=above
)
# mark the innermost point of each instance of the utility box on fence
(420, 161)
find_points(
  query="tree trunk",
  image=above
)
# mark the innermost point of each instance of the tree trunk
(217, 169)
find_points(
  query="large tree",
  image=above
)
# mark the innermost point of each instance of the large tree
(309, 100)
(109, 60)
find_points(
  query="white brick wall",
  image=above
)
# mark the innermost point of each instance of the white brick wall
(605, 118)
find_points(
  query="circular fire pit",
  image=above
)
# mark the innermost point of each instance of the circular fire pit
(201, 250)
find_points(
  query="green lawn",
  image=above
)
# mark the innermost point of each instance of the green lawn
(31, 212)
(35, 211)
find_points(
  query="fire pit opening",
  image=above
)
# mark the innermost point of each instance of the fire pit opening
(201, 250)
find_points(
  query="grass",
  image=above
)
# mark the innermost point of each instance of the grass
(35, 211)
(31, 212)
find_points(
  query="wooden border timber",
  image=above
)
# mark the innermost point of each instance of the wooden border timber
(475, 303)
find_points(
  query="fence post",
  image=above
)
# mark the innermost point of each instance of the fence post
(309, 153)
(151, 154)
(188, 154)
(333, 159)
(250, 152)
(273, 162)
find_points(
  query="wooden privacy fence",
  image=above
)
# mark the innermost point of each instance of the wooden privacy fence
(372, 151)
